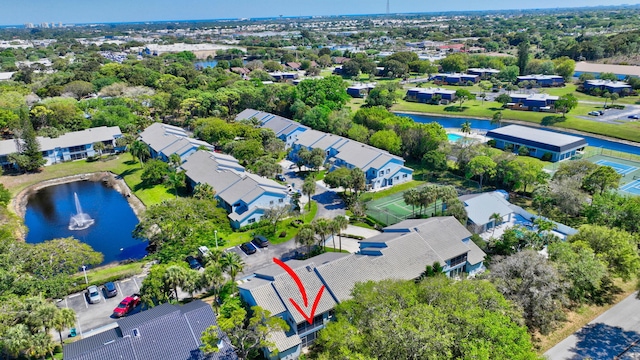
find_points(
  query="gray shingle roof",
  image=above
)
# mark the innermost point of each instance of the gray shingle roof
(287, 289)
(284, 341)
(74, 138)
(164, 332)
(480, 208)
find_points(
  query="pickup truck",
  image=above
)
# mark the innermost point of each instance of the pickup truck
(126, 305)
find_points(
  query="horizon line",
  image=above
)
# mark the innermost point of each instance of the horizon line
(320, 16)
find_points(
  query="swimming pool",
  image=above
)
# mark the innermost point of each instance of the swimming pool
(454, 137)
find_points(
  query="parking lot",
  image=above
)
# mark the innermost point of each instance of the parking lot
(94, 316)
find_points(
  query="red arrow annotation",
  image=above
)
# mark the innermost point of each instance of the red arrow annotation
(303, 292)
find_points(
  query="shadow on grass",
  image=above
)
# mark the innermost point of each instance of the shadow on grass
(455, 108)
(552, 119)
(131, 162)
(493, 108)
(128, 172)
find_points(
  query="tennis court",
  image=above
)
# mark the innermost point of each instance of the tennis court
(621, 169)
(628, 168)
(632, 187)
(392, 209)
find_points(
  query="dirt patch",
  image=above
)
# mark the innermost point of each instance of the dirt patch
(19, 202)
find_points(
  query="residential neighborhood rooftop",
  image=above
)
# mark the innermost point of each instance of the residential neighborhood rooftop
(70, 139)
(164, 332)
(537, 135)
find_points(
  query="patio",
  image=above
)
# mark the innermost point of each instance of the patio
(516, 219)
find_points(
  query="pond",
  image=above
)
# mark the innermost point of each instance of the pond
(485, 125)
(50, 210)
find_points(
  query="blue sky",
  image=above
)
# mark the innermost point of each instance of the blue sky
(13, 12)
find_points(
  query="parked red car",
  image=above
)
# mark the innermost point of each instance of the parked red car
(126, 305)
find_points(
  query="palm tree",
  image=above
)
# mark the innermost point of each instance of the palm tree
(212, 278)
(99, 147)
(64, 318)
(139, 151)
(466, 127)
(306, 236)
(427, 196)
(497, 119)
(309, 188)
(232, 264)
(446, 194)
(176, 179)
(175, 160)
(40, 345)
(192, 282)
(322, 227)
(175, 276)
(497, 219)
(411, 197)
(339, 223)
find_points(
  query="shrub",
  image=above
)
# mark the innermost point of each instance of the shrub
(491, 143)
(546, 156)
(283, 234)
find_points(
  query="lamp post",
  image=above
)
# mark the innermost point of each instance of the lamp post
(84, 270)
(215, 234)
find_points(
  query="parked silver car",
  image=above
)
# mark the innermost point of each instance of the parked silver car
(94, 294)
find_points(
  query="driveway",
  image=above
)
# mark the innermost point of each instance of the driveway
(90, 317)
(614, 334)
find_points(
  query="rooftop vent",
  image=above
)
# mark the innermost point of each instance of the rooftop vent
(309, 269)
(136, 332)
(109, 342)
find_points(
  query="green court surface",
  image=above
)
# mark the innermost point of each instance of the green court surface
(392, 209)
(629, 169)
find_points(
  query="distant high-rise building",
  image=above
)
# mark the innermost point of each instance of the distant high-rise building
(44, 25)
(29, 25)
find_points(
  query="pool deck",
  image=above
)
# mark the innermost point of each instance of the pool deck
(476, 135)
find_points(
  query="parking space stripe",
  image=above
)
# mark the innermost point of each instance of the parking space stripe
(78, 327)
(136, 283)
(120, 290)
(86, 304)
(74, 295)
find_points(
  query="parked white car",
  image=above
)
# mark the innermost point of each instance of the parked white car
(94, 294)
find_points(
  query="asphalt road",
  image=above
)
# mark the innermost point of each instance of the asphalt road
(610, 335)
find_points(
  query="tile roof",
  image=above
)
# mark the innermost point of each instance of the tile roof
(163, 332)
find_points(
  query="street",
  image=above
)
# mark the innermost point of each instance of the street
(609, 336)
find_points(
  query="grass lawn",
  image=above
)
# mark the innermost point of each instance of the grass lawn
(121, 165)
(476, 109)
(581, 316)
(393, 190)
(237, 238)
(109, 272)
(571, 89)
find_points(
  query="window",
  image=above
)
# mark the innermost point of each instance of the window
(404, 176)
(280, 200)
(271, 202)
(397, 178)
(381, 173)
(77, 148)
(458, 260)
(388, 171)
(251, 221)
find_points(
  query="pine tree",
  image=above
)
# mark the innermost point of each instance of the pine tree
(30, 146)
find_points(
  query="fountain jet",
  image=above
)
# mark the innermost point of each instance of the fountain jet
(80, 220)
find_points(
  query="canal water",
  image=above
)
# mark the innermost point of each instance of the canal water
(485, 125)
(49, 211)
